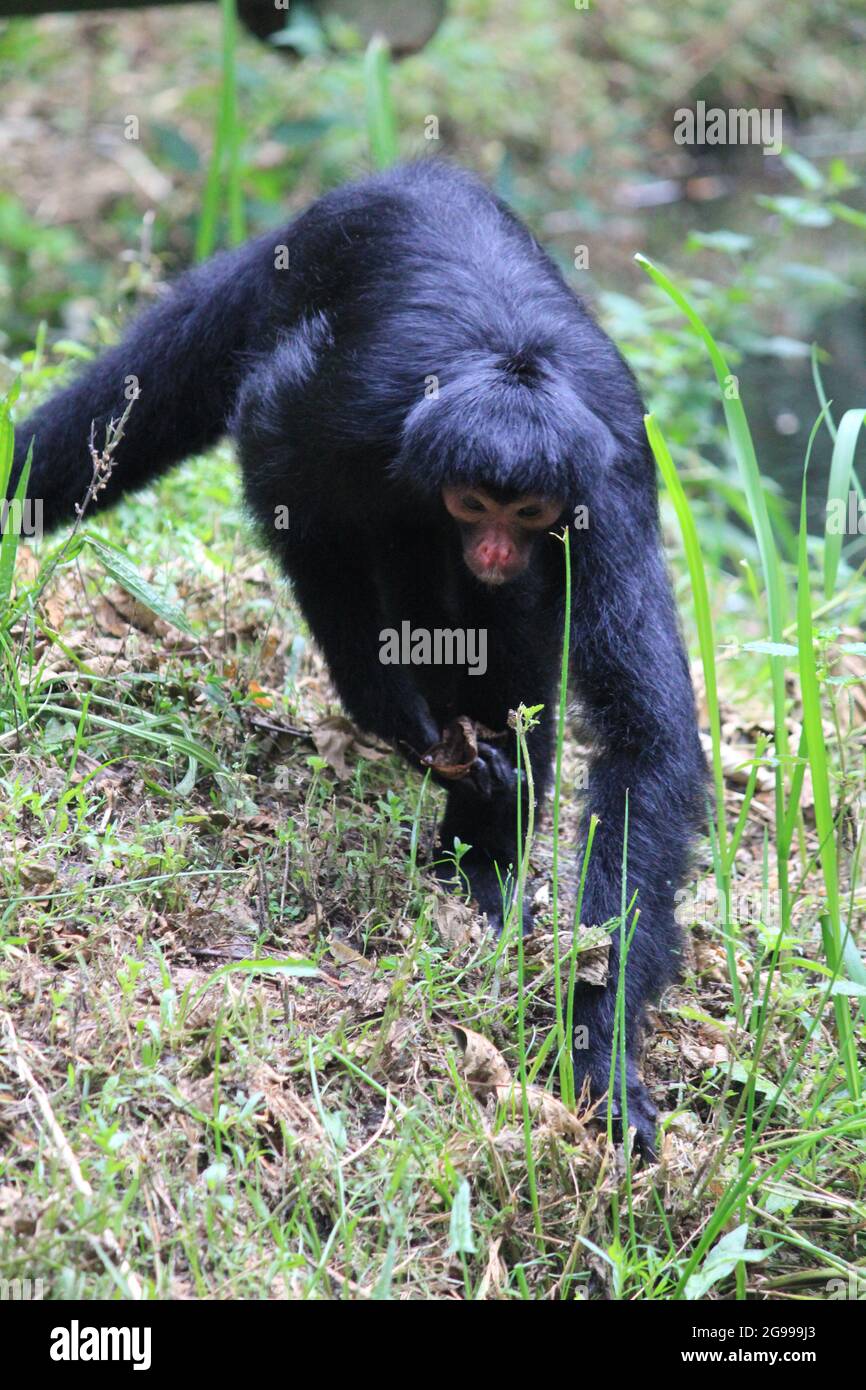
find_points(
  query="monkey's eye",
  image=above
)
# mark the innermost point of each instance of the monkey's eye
(528, 513)
(472, 504)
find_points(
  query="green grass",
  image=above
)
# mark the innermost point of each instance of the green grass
(239, 1027)
(232, 983)
(829, 811)
(225, 161)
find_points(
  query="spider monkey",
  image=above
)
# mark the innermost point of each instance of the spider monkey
(404, 369)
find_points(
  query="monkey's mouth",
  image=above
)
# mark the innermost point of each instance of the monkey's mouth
(493, 578)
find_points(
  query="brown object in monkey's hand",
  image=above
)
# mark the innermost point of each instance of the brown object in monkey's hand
(457, 750)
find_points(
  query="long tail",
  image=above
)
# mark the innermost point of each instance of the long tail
(184, 356)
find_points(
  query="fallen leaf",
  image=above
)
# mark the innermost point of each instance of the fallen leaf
(552, 1114)
(736, 764)
(487, 1073)
(483, 1065)
(347, 955)
(494, 1276)
(457, 922)
(260, 696)
(457, 749)
(335, 737)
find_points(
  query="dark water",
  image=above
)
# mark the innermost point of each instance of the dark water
(778, 392)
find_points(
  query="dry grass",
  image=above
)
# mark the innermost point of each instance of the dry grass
(266, 1134)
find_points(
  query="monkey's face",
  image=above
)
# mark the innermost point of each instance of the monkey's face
(498, 536)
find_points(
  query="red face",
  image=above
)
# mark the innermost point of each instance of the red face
(498, 536)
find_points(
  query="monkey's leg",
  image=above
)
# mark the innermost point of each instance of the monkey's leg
(336, 589)
(490, 824)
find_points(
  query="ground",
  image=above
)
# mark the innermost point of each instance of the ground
(247, 1131)
(247, 1048)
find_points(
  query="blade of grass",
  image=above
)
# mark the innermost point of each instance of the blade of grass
(522, 723)
(118, 566)
(148, 733)
(744, 451)
(10, 533)
(7, 435)
(381, 123)
(231, 126)
(703, 613)
(817, 754)
(226, 150)
(568, 1095)
(841, 473)
(564, 1045)
(723, 857)
(821, 393)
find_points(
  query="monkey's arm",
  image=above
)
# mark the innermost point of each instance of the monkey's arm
(632, 677)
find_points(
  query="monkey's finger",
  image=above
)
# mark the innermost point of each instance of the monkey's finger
(480, 778)
(502, 771)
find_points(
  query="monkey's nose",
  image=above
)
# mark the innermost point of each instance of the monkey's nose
(495, 556)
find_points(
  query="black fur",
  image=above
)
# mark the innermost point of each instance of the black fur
(319, 371)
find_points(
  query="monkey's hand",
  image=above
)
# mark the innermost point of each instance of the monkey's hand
(642, 1114)
(464, 758)
(492, 773)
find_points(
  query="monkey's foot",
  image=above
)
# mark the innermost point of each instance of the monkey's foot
(496, 919)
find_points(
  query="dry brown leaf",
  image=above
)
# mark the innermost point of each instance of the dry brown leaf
(703, 1048)
(347, 955)
(591, 966)
(483, 1065)
(26, 566)
(735, 760)
(256, 574)
(368, 993)
(33, 874)
(494, 1276)
(544, 1108)
(457, 749)
(487, 1071)
(108, 618)
(457, 922)
(55, 610)
(137, 614)
(593, 952)
(259, 695)
(335, 736)
(363, 986)
(711, 961)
